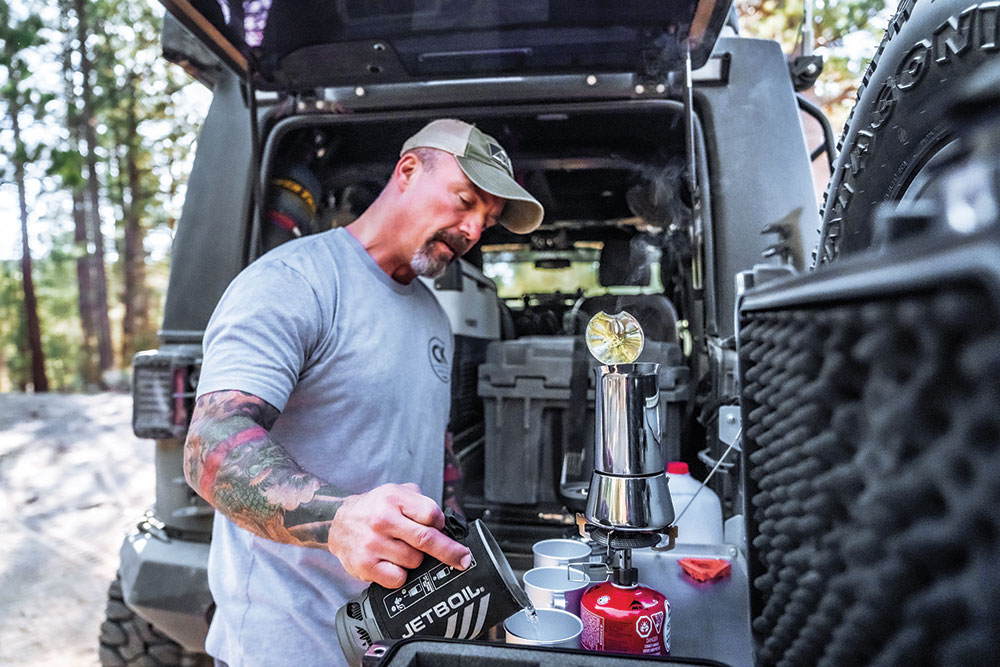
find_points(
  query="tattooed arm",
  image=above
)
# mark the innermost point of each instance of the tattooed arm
(232, 461)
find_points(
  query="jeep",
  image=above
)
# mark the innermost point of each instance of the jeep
(840, 392)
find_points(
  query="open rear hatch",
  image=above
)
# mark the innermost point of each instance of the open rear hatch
(303, 44)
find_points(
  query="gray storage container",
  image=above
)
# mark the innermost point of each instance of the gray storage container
(531, 433)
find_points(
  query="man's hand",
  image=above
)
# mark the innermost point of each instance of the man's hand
(379, 534)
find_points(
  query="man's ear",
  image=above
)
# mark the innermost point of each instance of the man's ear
(406, 169)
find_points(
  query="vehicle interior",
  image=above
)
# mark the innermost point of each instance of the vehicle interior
(598, 174)
(617, 211)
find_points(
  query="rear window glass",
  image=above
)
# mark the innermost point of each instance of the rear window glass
(525, 272)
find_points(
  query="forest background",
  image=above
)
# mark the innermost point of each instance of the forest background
(97, 136)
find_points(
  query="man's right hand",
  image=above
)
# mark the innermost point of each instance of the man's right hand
(379, 534)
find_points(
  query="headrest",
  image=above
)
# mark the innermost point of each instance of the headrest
(624, 262)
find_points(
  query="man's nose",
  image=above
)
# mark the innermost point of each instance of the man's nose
(473, 225)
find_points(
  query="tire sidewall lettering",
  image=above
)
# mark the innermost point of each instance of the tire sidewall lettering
(885, 104)
(914, 65)
(936, 49)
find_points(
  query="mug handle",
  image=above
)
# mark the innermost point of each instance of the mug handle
(559, 602)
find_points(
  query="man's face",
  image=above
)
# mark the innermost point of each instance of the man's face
(448, 214)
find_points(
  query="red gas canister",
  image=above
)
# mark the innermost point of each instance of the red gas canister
(623, 619)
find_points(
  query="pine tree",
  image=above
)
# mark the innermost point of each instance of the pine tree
(85, 25)
(16, 36)
(68, 166)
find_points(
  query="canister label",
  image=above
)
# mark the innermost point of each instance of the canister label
(625, 620)
(592, 637)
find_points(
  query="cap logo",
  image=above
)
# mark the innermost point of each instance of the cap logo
(497, 153)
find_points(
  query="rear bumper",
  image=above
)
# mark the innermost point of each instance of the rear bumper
(165, 581)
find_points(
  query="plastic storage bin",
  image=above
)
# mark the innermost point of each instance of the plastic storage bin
(532, 435)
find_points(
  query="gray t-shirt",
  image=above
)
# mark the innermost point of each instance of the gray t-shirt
(359, 366)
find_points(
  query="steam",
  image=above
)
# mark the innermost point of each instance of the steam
(656, 197)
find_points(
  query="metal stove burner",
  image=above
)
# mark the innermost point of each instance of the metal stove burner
(620, 539)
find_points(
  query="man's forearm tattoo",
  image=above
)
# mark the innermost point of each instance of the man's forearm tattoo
(232, 461)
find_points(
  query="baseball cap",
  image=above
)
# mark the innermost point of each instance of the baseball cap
(486, 163)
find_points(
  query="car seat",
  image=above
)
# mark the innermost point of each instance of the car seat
(624, 263)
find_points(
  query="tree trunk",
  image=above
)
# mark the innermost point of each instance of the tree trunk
(90, 371)
(38, 378)
(88, 121)
(135, 295)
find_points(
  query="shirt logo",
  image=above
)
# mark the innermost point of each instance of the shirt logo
(438, 356)
(500, 156)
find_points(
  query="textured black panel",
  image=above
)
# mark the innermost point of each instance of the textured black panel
(433, 652)
(872, 437)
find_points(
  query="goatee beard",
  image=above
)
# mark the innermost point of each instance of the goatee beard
(425, 263)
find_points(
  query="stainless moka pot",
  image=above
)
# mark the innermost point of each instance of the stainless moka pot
(628, 490)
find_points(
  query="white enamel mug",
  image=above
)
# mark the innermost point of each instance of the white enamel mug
(556, 588)
(555, 627)
(560, 552)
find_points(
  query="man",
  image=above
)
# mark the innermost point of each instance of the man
(319, 427)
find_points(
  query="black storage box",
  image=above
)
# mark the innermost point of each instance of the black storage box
(531, 433)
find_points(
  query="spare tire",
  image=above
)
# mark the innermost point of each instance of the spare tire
(129, 641)
(899, 127)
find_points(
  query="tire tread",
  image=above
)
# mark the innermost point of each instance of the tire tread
(125, 640)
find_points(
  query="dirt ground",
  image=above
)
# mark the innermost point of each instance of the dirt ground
(73, 480)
